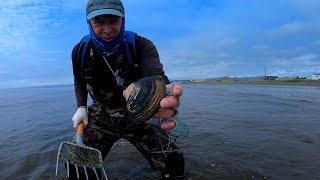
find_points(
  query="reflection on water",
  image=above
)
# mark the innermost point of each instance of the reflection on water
(236, 132)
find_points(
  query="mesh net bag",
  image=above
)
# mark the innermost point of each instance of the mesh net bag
(178, 133)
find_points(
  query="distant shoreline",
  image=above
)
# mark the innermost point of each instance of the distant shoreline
(293, 82)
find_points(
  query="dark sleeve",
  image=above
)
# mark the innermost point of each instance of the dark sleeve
(80, 85)
(148, 58)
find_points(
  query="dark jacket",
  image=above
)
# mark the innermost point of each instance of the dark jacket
(103, 87)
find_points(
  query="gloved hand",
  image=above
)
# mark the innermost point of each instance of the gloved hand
(169, 106)
(80, 116)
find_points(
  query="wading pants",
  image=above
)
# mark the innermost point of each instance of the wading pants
(105, 129)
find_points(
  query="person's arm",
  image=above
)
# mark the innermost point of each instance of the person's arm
(80, 86)
(148, 57)
(149, 60)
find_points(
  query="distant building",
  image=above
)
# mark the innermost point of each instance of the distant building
(271, 77)
(315, 77)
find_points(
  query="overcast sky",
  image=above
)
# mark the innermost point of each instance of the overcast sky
(196, 39)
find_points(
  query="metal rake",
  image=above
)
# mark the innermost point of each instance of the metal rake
(80, 155)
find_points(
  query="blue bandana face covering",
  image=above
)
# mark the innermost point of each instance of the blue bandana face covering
(109, 49)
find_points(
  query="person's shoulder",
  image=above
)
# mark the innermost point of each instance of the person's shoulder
(85, 38)
(75, 48)
(75, 51)
(142, 41)
(141, 38)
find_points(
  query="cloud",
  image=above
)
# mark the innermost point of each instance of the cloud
(260, 47)
(316, 43)
(200, 71)
(306, 8)
(25, 23)
(74, 5)
(304, 64)
(294, 28)
(211, 54)
(199, 46)
(306, 57)
(3, 72)
(197, 56)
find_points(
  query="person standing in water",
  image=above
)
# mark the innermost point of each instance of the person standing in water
(103, 70)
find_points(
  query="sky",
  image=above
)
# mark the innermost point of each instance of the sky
(196, 39)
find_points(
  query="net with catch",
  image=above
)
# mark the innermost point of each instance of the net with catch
(178, 133)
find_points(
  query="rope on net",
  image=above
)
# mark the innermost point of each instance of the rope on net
(178, 133)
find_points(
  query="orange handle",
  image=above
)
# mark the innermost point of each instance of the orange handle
(80, 128)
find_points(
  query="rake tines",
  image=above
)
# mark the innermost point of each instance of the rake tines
(80, 155)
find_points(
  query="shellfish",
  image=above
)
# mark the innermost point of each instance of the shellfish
(143, 97)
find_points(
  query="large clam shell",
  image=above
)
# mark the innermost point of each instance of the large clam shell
(143, 97)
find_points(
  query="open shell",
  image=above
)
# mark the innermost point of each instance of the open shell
(143, 97)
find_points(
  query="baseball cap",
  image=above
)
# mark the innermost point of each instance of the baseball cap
(100, 7)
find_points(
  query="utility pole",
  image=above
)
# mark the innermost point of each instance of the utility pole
(265, 71)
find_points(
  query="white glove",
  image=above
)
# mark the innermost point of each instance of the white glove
(80, 116)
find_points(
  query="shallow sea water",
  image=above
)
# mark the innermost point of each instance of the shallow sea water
(236, 132)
